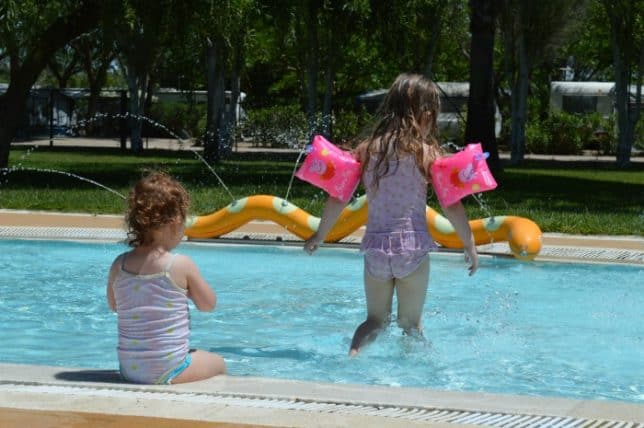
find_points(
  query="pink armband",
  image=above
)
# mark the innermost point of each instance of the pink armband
(461, 174)
(331, 169)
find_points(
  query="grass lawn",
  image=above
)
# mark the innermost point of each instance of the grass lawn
(567, 198)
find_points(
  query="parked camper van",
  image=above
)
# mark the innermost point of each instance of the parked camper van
(582, 97)
(586, 97)
(451, 120)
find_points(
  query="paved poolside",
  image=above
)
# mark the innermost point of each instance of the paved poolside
(34, 396)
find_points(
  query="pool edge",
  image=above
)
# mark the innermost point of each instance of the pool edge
(275, 402)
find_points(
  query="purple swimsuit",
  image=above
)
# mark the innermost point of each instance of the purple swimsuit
(397, 240)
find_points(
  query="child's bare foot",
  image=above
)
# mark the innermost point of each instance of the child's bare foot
(353, 352)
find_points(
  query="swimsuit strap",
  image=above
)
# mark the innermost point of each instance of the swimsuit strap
(170, 262)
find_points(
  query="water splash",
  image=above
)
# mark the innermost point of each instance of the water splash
(170, 132)
(22, 159)
(215, 174)
(6, 171)
(451, 145)
(290, 183)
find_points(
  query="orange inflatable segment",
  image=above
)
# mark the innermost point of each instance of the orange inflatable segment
(242, 211)
(522, 234)
(352, 217)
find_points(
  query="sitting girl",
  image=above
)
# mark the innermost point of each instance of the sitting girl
(149, 288)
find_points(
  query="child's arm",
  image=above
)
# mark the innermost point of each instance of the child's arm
(456, 215)
(111, 300)
(332, 210)
(199, 291)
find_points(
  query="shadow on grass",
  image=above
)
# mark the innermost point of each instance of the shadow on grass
(113, 168)
(563, 193)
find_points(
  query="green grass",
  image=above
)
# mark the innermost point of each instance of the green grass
(567, 198)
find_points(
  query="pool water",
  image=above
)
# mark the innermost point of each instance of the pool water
(570, 330)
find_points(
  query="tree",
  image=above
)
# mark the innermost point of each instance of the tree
(480, 118)
(627, 29)
(64, 64)
(411, 35)
(338, 21)
(222, 29)
(30, 34)
(530, 32)
(96, 54)
(587, 55)
(141, 30)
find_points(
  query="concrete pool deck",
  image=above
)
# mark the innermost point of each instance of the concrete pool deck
(35, 396)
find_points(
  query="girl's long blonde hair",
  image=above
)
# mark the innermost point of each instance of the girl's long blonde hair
(400, 126)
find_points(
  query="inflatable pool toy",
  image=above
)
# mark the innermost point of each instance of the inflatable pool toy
(522, 234)
(461, 174)
(330, 168)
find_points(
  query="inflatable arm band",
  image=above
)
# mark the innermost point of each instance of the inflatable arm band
(461, 174)
(330, 168)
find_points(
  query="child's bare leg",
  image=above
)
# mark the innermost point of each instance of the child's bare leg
(411, 292)
(379, 294)
(204, 365)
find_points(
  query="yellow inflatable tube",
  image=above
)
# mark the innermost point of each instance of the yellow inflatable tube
(523, 235)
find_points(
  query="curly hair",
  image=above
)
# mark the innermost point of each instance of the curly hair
(154, 201)
(397, 129)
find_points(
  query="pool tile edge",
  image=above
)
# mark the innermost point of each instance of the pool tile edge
(327, 398)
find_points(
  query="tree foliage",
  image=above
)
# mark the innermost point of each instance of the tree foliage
(31, 33)
(317, 55)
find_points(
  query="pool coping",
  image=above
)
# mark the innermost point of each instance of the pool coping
(251, 401)
(238, 399)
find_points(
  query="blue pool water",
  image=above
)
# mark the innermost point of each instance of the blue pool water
(571, 330)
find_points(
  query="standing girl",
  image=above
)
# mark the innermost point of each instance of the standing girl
(149, 288)
(395, 161)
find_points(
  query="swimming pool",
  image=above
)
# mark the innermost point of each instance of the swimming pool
(571, 330)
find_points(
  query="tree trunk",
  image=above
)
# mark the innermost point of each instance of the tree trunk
(520, 106)
(622, 95)
(433, 40)
(312, 65)
(216, 100)
(96, 77)
(12, 107)
(96, 83)
(480, 106)
(23, 76)
(329, 78)
(228, 130)
(624, 45)
(136, 88)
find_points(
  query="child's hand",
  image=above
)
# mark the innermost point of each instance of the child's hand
(312, 244)
(472, 257)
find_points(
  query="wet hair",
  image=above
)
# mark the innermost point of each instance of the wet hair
(398, 129)
(156, 200)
